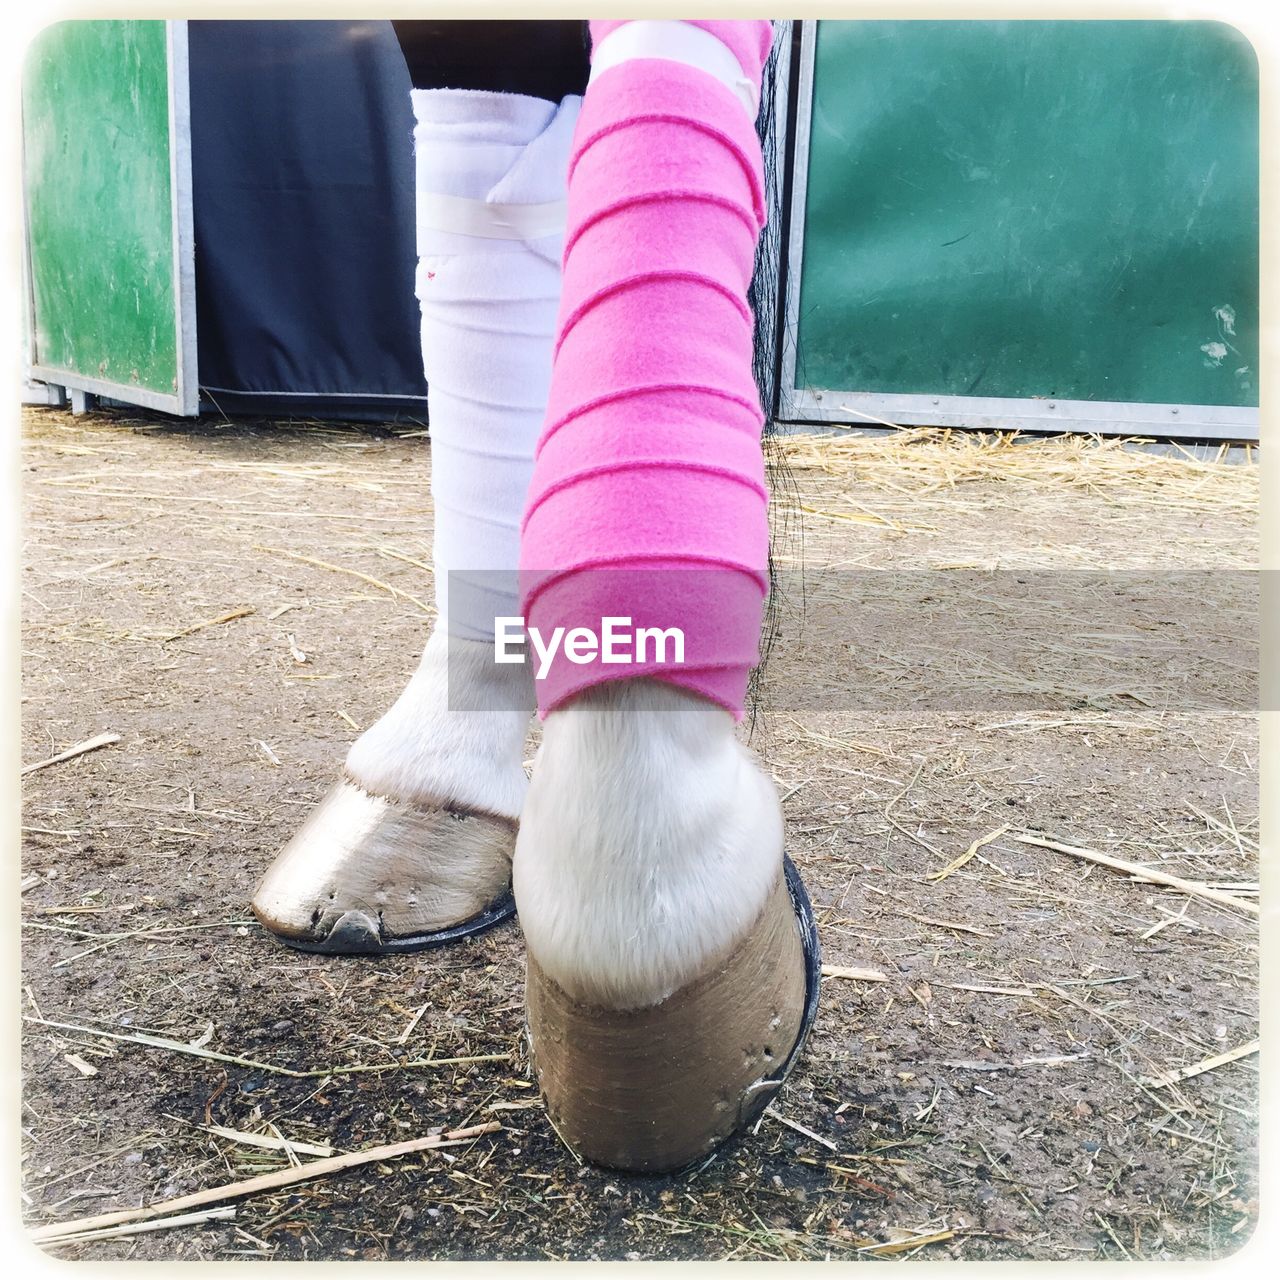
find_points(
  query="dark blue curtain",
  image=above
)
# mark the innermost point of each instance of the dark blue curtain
(302, 174)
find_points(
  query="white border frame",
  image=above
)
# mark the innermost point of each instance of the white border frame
(1095, 417)
(185, 399)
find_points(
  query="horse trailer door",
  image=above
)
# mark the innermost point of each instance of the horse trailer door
(107, 190)
(1033, 225)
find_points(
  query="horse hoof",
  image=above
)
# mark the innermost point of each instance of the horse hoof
(662, 1088)
(369, 875)
(356, 933)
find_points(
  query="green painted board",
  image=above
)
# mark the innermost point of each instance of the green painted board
(1051, 210)
(102, 214)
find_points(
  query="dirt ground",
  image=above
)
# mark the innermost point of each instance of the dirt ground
(236, 600)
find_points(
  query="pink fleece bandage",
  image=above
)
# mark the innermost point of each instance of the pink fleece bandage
(648, 497)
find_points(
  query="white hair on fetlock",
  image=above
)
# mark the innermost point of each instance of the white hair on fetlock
(466, 755)
(650, 840)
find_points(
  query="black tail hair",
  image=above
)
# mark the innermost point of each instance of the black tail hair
(764, 298)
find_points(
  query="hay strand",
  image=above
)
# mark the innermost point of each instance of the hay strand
(1199, 1068)
(1193, 887)
(266, 1181)
(80, 749)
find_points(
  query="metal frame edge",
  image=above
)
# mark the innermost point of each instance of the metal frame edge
(180, 193)
(1098, 417)
(125, 391)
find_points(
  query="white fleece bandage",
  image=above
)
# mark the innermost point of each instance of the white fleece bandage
(490, 178)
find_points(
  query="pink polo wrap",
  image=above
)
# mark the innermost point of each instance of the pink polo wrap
(648, 495)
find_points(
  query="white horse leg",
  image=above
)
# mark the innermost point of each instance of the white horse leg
(666, 973)
(667, 968)
(650, 840)
(416, 839)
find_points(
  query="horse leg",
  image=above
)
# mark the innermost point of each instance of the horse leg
(669, 974)
(412, 846)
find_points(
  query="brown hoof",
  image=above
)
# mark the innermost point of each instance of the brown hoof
(368, 874)
(657, 1089)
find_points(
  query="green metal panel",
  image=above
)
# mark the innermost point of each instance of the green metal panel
(98, 171)
(1032, 209)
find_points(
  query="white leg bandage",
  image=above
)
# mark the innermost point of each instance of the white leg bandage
(491, 199)
(490, 194)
